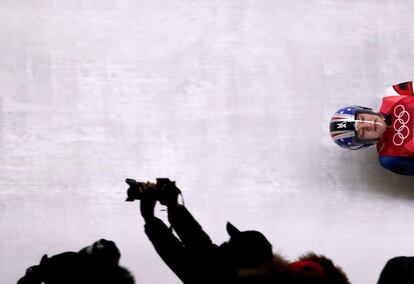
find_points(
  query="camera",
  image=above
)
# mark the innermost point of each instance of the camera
(159, 189)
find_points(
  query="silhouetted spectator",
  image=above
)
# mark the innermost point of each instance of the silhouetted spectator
(246, 258)
(98, 263)
(398, 270)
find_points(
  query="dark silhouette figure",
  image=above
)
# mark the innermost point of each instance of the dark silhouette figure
(246, 258)
(98, 263)
(398, 270)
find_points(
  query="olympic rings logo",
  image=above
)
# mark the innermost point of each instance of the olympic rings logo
(402, 131)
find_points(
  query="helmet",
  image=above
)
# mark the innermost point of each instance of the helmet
(343, 130)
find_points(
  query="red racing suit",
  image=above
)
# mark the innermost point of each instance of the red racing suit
(396, 145)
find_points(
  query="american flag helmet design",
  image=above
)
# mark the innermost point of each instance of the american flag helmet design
(342, 128)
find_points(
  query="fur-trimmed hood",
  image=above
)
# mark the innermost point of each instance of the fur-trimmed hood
(280, 271)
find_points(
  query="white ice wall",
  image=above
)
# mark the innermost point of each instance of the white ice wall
(230, 98)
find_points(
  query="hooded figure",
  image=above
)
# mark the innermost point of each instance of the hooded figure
(247, 248)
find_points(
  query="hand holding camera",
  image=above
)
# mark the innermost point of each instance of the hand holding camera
(164, 190)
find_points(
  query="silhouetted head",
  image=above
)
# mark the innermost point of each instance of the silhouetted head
(398, 270)
(103, 251)
(246, 248)
(67, 267)
(97, 263)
